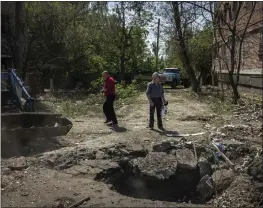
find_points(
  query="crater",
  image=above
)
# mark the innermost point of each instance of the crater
(158, 176)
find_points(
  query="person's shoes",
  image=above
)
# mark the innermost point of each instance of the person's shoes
(148, 127)
(107, 121)
(161, 128)
(113, 124)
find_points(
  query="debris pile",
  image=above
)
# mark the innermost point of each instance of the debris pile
(249, 112)
(171, 172)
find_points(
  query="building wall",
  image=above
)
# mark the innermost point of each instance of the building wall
(251, 52)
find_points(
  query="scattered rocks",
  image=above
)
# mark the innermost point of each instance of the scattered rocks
(216, 136)
(101, 155)
(204, 167)
(157, 165)
(222, 179)
(67, 158)
(238, 152)
(249, 112)
(63, 202)
(255, 169)
(220, 165)
(186, 159)
(205, 187)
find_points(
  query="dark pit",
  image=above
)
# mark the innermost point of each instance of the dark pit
(158, 176)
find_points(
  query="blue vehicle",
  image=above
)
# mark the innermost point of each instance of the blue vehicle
(172, 76)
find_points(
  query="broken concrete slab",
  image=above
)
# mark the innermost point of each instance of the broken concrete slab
(232, 143)
(124, 150)
(204, 167)
(99, 168)
(156, 165)
(136, 150)
(6, 171)
(186, 159)
(101, 164)
(205, 187)
(162, 147)
(17, 163)
(222, 179)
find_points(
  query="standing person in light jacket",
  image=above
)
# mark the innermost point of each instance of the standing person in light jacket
(109, 92)
(156, 99)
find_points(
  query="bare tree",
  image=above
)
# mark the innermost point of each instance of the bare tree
(232, 34)
(231, 22)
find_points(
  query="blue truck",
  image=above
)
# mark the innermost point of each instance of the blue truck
(173, 77)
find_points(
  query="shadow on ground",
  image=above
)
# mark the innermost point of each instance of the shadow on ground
(17, 148)
(119, 129)
(167, 132)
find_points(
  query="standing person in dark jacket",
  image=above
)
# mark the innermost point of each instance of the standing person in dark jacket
(156, 99)
(109, 92)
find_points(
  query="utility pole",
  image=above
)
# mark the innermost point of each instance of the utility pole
(157, 47)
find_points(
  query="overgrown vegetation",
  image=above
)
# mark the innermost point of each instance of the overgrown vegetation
(65, 38)
(73, 42)
(83, 102)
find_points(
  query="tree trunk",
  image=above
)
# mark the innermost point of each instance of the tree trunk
(19, 36)
(183, 49)
(236, 95)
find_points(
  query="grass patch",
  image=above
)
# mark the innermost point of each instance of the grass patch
(75, 106)
(84, 102)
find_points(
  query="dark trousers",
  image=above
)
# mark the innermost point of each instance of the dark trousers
(108, 109)
(158, 105)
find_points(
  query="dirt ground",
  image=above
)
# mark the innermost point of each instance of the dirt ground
(38, 185)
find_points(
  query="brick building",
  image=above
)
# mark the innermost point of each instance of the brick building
(252, 49)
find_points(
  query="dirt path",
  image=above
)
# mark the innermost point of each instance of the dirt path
(40, 186)
(133, 120)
